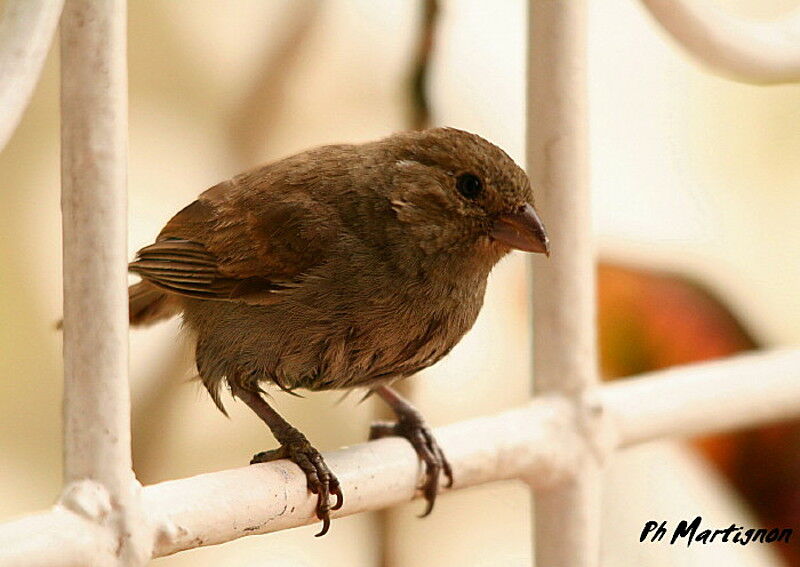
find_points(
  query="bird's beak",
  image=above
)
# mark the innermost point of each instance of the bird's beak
(522, 230)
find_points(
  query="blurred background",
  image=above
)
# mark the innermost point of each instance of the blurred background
(695, 182)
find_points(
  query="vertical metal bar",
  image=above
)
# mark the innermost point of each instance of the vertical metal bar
(566, 517)
(97, 445)
(93, 202)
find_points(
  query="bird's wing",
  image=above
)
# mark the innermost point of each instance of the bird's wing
(239, 246)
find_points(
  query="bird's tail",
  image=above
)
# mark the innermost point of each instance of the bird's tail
(147, 304)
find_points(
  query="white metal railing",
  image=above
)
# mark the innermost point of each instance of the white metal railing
(750, 52)
(566, 518)
(537, 444)
(26, 32)
(98, 477)
(556, 444)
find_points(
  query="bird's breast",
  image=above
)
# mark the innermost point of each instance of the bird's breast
(335, 333)
(396, 337)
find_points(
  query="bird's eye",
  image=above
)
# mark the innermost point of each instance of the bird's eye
(469, 185)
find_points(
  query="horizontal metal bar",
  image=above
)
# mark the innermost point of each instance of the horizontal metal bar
(222, 506)
(736, 392)
(537, 443)
(55, 538)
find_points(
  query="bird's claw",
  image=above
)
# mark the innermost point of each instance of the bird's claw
(414, 429)
(319, 478)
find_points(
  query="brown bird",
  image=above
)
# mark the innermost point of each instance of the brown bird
(340, 267)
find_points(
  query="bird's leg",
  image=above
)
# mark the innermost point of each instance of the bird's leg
(411, 425)
(295, 447)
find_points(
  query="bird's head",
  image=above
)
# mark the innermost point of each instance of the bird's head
(457, 193)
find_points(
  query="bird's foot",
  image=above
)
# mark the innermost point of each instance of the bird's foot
(320, 480)
(411, 426)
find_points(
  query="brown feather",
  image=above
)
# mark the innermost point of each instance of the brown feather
(148, 305)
